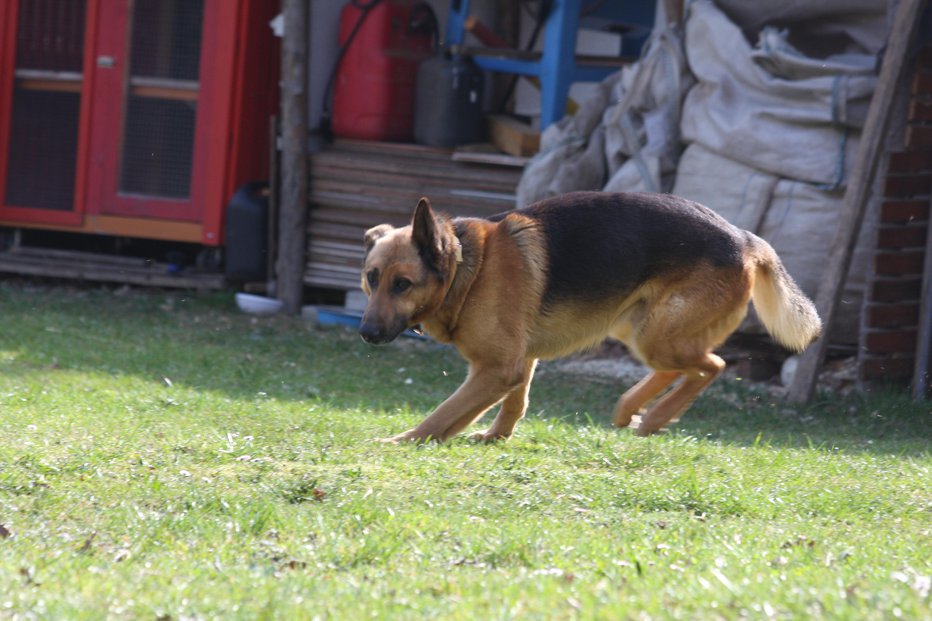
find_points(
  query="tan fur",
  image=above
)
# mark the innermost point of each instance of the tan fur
(783, 309)
(488, 304)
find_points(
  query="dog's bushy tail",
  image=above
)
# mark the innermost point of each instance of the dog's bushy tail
(787, 314)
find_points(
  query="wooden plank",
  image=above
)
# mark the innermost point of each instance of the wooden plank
(155, 276)
(462, 202)
(455, 201)
(171, 230)
(347, 266)
(902, 32)
(922, 372)
(673, 10)
(76, 256)
(344, 145)
(343, 252)
(512, 136)
(173, 94)
(49, 81)
(323, 280)
(49, 86)
(403, 168)
(161, 88)
(337, 222)
(390, 150)
(487, 153)
(364, 186)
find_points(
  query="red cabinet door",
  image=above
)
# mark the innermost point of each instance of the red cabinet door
(149, 120)
(42, 109)
(118, 113)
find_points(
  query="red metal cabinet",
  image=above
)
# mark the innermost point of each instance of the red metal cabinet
(133, 117)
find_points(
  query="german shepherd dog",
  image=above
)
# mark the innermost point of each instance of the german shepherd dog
(667, 277)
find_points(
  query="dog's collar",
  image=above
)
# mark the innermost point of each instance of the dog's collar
(458, 250)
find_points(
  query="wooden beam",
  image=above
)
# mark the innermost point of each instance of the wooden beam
(292, 216)
(857, 193)
(673, 10)
(159, 88)
(922, 373)
(74, 265)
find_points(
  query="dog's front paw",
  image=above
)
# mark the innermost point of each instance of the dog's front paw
(489, 435)
(644, 431)
(408, 436)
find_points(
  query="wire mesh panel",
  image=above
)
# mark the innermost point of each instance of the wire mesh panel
(158, 147)
(50, 35)
(42, 149)
(166, 39)
(159, 124)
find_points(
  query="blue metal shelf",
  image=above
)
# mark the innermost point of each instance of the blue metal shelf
(557, 67)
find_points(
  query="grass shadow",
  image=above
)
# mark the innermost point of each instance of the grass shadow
(201, 343)
(881, 421)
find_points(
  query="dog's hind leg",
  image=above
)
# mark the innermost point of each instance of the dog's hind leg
(691, 316)
(641, 394)
(512, 409)
(698, 377)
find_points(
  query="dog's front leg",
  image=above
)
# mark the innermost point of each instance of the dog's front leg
(483, 388)
(513, 408)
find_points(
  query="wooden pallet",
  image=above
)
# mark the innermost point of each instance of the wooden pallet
(92, 267)
(357, 184)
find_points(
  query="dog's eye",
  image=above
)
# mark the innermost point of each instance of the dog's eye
(401, 285)
(372, 278)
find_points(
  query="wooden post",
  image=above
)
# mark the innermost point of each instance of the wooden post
(292, 216)
(673, 10)
(857, 193)
(922, 374)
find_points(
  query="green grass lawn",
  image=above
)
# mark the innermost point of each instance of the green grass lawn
(163, 456)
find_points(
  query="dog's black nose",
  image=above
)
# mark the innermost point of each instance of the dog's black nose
(371, 333)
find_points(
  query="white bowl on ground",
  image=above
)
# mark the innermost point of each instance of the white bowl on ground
(257, 304)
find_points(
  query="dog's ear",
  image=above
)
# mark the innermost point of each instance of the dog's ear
(376, 232)
(426, 232)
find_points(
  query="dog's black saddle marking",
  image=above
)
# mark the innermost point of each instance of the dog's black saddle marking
(602, 244)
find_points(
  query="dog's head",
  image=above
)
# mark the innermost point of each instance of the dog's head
(406, 273)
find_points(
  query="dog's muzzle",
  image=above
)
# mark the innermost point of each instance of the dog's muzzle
(376, 334)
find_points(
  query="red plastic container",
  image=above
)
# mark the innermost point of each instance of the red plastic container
(373, 97)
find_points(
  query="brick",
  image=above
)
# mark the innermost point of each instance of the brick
(890, 341)
(901, 315)
(756, 369)
(886, 369)
(918, 136)
(920, 110)
(924, 57)
(904, 211)
(891, 290)
(922, 83)
(902, 236)
(909, 161)
(898, 263)
(907, 186)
